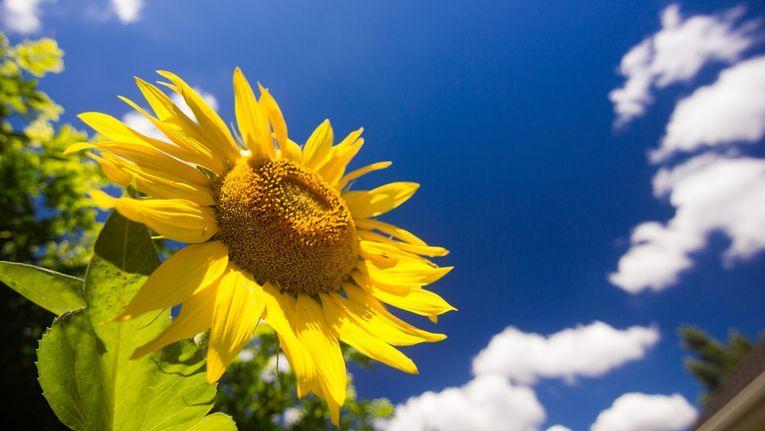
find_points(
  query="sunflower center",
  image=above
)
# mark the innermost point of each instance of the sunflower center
(286, 226)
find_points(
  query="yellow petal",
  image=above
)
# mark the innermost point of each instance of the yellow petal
(417, 301)
(388, 244)
(252, 120)
(113, 172)
(375, 318)
(279, 315)
(238, 307)
(175, 124)
(362, 278)
(79, 146)
(188, 144)
(268, 105)
(185, 273)
(292, 151)
(115, 130)
(162, 105)
(389, 229)
(371, 203)
(146, 156)
(316, 387)
(342, 154)
(318, 147)
(119, 132)
(177, 219)
(385, 256)
(358, 173)
(334, 410)
(159, 184)
(195, 317)
(316, 337)
(403, 272)
(347, 329)
(213, 128)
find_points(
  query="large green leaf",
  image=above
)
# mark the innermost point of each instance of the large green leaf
(70, 375)
(215, 422)
(84, 364)
(53, 291)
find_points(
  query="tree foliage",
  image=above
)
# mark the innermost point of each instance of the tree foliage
(46, 218)
(712, 360)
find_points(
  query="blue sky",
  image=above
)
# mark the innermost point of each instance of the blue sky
(501, 111)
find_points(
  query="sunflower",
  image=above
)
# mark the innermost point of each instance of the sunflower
(274, 233)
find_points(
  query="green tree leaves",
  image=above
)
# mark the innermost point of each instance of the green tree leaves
(713, 360)
(84, 361)
(47, 219)
(40, 57)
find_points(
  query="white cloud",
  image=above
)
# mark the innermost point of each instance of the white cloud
(500, 395)
(730, 110)
(676, 53)
(127, 10)
(486, 403)
(22, 16)
(590, 350)
(642, 412)
(137, 121)
(710, 193)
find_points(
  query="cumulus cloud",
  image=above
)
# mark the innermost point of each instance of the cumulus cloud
(676, 53)
(641, 412)
(137, 121)
(500, 395)
(586, 350)
(22, 16)
(711, 193)
(486, 403)
(127, 10)
(730, 110)
(717, 189)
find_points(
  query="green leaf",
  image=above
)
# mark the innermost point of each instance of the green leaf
(215, 422)
(69, 372)
(53, 291)
(381, 408)
(40, 57)
(85, 368)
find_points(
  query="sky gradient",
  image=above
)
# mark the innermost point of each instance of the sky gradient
(501, 111)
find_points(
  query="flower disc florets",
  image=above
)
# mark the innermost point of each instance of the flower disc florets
(286, 226)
